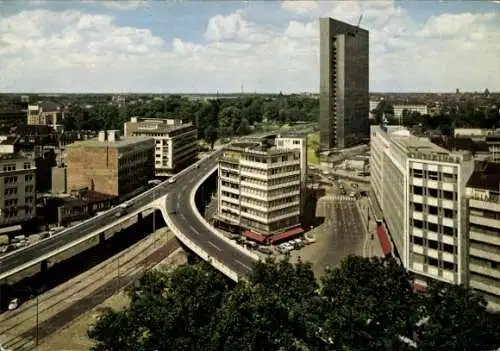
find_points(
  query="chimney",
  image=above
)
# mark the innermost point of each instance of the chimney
(102, 136)
(113, 135)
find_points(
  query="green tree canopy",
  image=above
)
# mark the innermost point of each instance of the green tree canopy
(365, 304)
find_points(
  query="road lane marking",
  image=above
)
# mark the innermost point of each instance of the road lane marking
(215, 246)
(242, 264)
(182, 216)
(194, 230)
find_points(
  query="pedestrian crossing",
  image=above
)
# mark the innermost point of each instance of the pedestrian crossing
(339, 198)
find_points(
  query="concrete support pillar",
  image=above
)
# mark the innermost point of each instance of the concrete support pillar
(139, 216)
(102, 239)
(43, 266)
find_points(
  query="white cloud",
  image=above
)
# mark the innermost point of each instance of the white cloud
(123, 5)
(74, 51)
(300, 7)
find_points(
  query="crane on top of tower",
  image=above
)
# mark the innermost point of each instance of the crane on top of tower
(357, 26)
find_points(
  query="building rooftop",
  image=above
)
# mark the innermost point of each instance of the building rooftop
(121, 142)
(415, 144)
(486, 176)
(9, 156)
(461, 144)
(158, 125)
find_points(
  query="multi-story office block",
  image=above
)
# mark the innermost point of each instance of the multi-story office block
(17, 179)
(110, 164)
(175, 141)
(296, 141)
(259, 188)
(344, 84)
(483, 194)
(420, 188)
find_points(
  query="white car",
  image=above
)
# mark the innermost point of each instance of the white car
(13, 304)
(171, 180)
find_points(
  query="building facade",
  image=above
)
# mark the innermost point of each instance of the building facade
(259, 188)
(18, 193)
(45, 113)
(344, 84)
(398, 110)
(296, 141)
(110, 164)
(483, 197)
(420, 188)
(175, 142)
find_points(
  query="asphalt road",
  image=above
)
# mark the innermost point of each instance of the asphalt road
(186, 219)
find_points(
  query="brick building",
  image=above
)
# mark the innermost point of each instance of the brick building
(110, 164)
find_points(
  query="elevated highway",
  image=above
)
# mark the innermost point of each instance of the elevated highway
(176, 201)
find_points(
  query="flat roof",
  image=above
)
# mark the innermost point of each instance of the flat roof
(486, 176)
(14, 156)
(415, 144)
(121, 142)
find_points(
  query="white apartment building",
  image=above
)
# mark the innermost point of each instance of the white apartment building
(398, 110)
(17, 179)
(483, 194)
(176, 142)
(259, 188)
(296, 141)
(420, 188)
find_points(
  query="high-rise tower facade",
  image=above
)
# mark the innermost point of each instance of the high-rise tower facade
(344, 84)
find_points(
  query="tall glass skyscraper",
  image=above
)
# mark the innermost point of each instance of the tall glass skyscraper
(344, 84)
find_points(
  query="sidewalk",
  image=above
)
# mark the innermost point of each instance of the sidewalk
(372, 246)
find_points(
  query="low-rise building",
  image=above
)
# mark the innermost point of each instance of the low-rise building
(175, 142)
(110, 164)
(259, 189)
(400, 108)
(17, 189)
(483, 194)
(46, 113)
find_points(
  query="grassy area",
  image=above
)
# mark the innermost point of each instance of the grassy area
(312, 145)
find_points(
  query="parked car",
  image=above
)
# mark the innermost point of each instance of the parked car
(309, 239)
(265, 250)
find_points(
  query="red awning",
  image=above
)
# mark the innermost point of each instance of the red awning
(254, 236)
(419, 288)
(286, 235)
(384, 239)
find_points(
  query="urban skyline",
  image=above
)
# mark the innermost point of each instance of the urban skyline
(251, 46)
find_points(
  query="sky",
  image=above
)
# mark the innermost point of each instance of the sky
(231, 46)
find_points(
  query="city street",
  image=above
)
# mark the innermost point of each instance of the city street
(342, 233)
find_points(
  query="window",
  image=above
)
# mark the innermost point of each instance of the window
(448, 266)
(432, 262)
(418, 241)
(448, 248)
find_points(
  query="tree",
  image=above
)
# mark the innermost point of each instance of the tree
(368, 303)
(210, 135)
(244, 127)
(457, 320)
(229, 121)
(365, 304)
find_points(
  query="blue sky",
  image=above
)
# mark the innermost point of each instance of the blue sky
(264, 46)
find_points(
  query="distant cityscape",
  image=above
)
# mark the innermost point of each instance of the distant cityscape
(315, 176)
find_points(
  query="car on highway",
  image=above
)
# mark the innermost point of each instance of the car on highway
(13, 304)
(171, 180)
(120, 213)
(126, 204)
